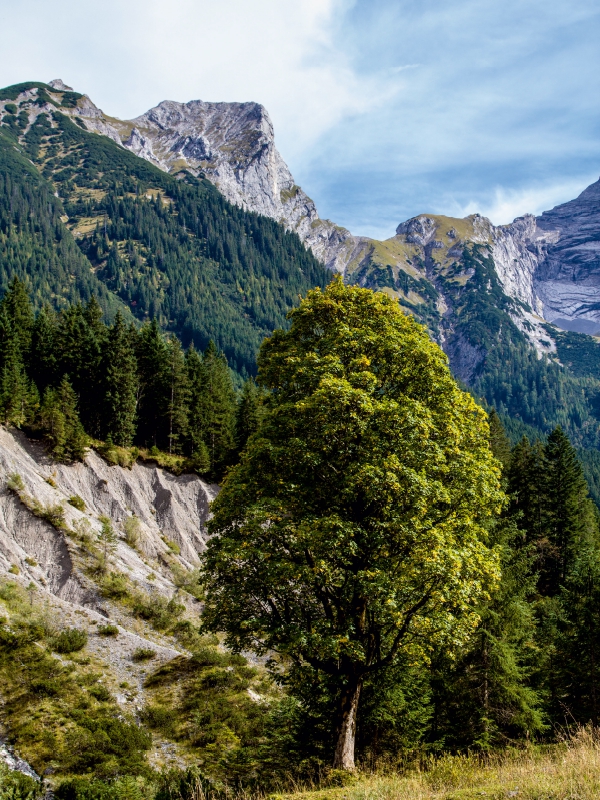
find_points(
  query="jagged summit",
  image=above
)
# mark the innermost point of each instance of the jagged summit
(549, 264)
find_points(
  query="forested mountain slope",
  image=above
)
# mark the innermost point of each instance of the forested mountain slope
(80, 215)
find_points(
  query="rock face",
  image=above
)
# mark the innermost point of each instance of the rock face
(170, 510)
(233, 145)
(551, 263)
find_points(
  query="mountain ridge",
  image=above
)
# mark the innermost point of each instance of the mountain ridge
(233, 145)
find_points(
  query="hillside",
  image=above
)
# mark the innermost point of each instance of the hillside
(80, 215)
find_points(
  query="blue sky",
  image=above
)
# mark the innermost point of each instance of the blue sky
(382, 109)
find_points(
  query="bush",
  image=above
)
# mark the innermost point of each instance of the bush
(115, 586)
(77, 502)
(107, 630)
(17, 786)
(173, 546)
(15, 482)
(100, 692)
(70, 640)
(133, 531)
(143, 654)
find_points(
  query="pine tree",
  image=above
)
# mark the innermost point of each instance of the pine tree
(178, 396)
(43, 360)
(215, 409)
(119, 384)
(248, 414)
(567, 515)
(153, 367)
(64, 433)
(18, 396)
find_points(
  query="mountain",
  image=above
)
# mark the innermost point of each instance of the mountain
(82, 215)
(189, 214)
(551, 263)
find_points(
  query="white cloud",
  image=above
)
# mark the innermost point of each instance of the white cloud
(504, 205)
(128, 56)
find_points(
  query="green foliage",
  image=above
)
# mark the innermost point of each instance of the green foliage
(59, 418)
(143, 654)
(77, 502)
(71, 640)
(107, 630)
(107, 539)
(334, 527)
(163, 248)
(17, 786)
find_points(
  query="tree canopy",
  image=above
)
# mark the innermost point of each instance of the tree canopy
(353, 531)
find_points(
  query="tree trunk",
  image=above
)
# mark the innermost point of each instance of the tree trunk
(344, 751)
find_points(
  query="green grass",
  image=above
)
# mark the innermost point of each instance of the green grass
(568, 771)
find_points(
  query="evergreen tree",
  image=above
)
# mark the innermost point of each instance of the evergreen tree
(119, 383)
(178, 395)
(576, 663)
(568, 516)
(214, 414)
(486, 697)
(153, 366)
(499, 441)
(43, 360)
(527, 489)
(18, 396)
(248, 414)
(80, 341)
(19, 310)
(64, 433)
(196, 445)
(107, 539)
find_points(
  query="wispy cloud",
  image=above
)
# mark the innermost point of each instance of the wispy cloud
(383, 108)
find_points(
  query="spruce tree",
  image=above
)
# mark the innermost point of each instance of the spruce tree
(18, 395)
(215, 413)
(64, 433)
(119, 384)
(567, 510)
(18, 307)
(248, 414)
(178, 396)
(80, 341)
(197, 448)
(43, 360)
(486, 696)
(153, 368)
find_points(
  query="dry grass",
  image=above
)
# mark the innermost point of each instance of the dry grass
(569, 771)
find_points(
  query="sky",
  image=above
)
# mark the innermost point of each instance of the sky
(383, 109)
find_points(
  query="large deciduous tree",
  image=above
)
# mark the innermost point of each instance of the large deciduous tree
(352, 534)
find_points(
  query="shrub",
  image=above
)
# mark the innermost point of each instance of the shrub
(55, 515)
(10, 108)
(107, 630)
(69, 641)
(17, 786)
(173, 546)
(15, 482)
(31, 561)
(14, 569)
(143, 654)
(115, 586)
(77, 502)
(100, 692)
(133, 531)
